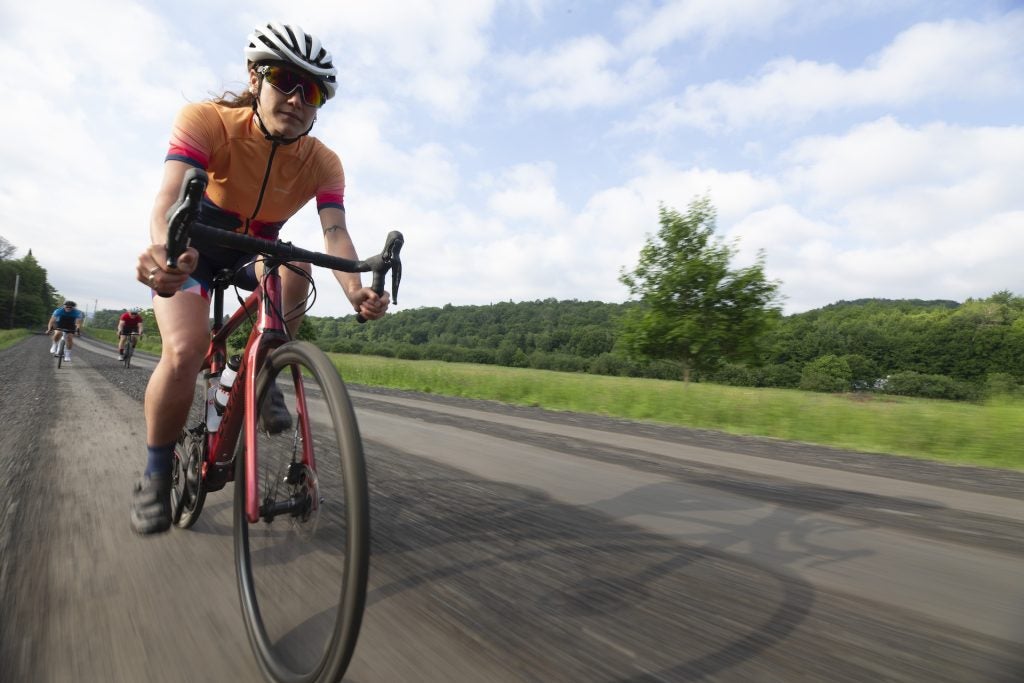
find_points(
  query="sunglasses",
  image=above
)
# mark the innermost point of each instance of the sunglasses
(286, 81)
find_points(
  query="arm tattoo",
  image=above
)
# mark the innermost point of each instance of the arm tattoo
(332, 228)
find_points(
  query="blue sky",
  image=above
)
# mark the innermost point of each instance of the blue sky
(870, 148)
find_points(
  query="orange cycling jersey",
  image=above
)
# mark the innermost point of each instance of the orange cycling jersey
(255, 184)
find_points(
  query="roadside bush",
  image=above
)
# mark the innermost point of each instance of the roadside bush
(734, 375)
(863, 371)
(562, 362)
(384, 350)
(828, 373)
(661, 369)
(408, 352)
(346, 346)
(612, 365)
(480, 356)
(511, 356)
(918, 384)
(780, 375)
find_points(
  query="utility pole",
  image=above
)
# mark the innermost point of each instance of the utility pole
(14, 299)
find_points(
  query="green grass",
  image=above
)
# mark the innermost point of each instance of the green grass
(147, 343)
(987, 435)
(9, 338)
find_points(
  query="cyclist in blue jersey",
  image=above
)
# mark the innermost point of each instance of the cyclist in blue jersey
(65, 319)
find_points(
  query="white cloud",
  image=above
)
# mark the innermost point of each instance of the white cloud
(885, 178)
(958, 60)
(527, 193)
(711, 20)
(582, 72)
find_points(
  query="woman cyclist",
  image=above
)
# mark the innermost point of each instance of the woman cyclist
(263, 168)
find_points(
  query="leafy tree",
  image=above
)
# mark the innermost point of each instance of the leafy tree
(35, 301)
(6, 249)
(693, 308)
(829, 373)
(107, 318)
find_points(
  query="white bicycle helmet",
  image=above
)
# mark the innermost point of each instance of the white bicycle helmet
(278, 42)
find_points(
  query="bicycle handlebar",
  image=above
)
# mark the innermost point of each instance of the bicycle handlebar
(182, 230)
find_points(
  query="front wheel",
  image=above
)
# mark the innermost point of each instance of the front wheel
(302, 568)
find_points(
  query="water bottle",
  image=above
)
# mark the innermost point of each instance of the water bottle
(212, 414)
(227, 380)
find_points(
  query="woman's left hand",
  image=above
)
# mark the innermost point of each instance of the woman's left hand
(366, 302)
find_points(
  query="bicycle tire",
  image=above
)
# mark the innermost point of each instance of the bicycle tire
(188, 490)
(268, 581)
(128, 354)
(60, 351)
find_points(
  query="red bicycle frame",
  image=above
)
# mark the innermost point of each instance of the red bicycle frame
(268, 333)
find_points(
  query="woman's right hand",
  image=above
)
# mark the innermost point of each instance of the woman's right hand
(151, 269)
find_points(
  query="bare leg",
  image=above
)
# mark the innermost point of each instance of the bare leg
(183, 321)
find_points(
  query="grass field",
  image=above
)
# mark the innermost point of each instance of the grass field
(11, 337)
(987, 435)
(148, 343)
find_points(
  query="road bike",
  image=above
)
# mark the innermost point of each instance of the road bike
(129, 348)
(62, 345)
(301, 508)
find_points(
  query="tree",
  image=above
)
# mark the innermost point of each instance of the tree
(693, 309)
(35, 301)
(6, 249)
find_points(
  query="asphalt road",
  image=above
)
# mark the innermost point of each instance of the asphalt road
(515, 544)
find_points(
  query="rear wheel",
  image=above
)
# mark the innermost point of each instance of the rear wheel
(302, 568)
(188, 490)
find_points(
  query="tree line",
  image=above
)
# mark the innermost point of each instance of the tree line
(27, 299)
(940, 349)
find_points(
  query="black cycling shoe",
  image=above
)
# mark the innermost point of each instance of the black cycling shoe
(274, 416)
(151, 505)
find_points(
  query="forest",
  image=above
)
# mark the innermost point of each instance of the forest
(27, 299)
(937, 349)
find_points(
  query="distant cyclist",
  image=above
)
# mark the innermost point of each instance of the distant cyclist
(263, 167)
(130, 322)
(65, 319)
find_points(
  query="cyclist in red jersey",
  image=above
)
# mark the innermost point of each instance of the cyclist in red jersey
(263, 167)
(130, 321)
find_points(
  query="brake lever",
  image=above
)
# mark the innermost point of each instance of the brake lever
(183, 213)
(388, 259)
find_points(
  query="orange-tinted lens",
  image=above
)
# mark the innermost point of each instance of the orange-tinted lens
(287, 81)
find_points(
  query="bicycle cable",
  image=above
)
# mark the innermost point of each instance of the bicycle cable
(306, 304)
